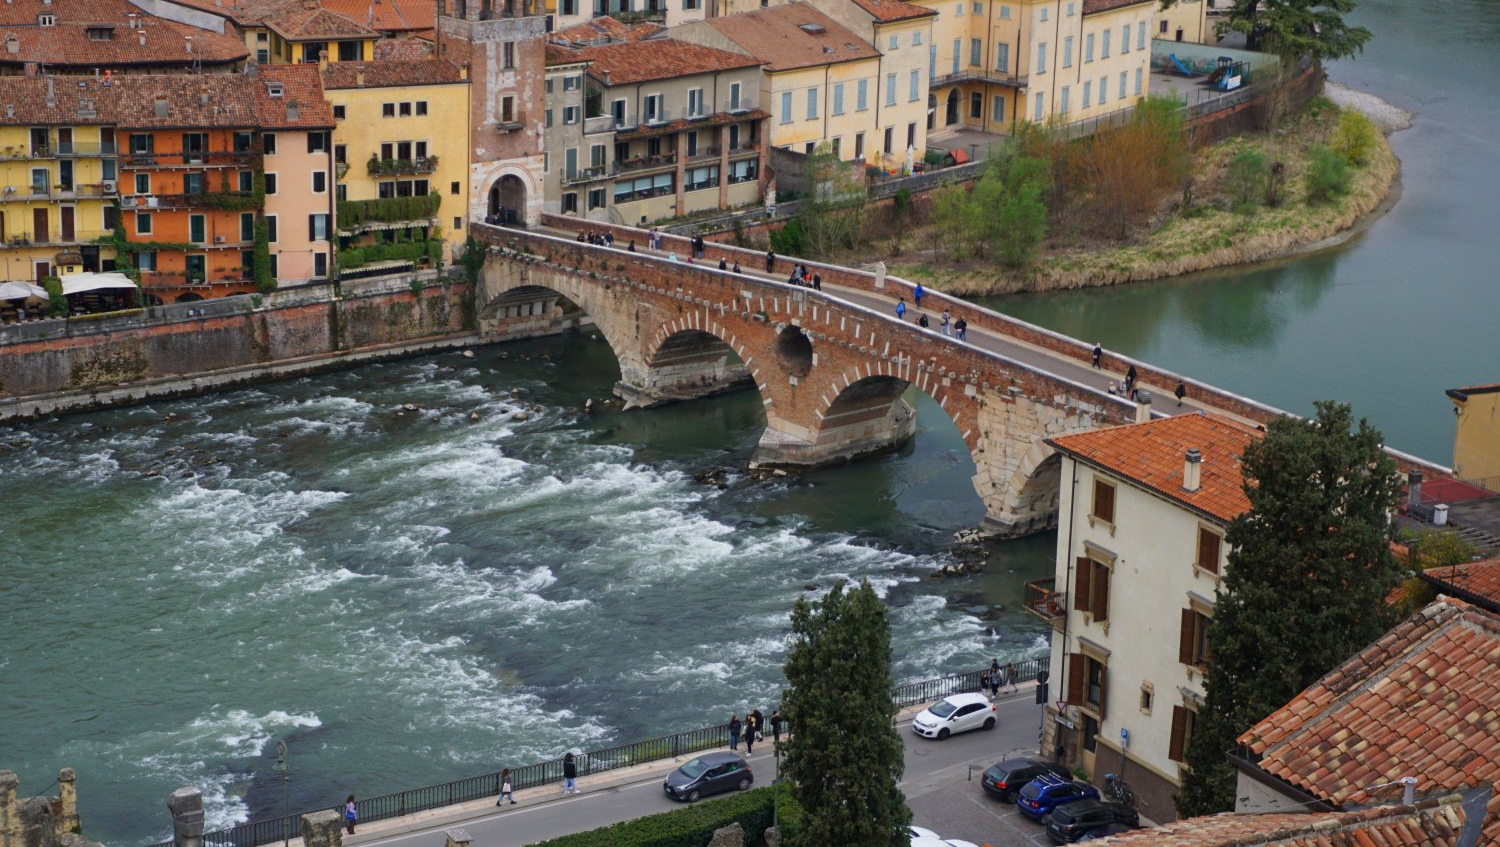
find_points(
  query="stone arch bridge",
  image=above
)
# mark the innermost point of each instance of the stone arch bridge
(830, 373)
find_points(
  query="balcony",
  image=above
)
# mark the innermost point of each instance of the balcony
(598, 124)
(743, 148)
(193, 159)
(975, 73)
(704, 153)
(1051, 606)
(57, 239)
(578, 175)
(397, 167)
(57, 151)
(642, 164)
(183, 279)
(515, 123)
(231, 201)
(361, 215)
(75, 191)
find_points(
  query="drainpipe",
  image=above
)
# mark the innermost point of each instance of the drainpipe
(1062, 665)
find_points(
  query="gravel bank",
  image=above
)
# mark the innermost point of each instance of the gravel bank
(1387, 117)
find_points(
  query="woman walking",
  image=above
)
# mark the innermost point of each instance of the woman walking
(734, 732)
(505, 792)
(570, 774)
(350, 814)
(776, 726)
(749, 733)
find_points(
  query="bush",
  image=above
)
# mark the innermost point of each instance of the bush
(1328, 175)
(57, 304)
(691, 826)
(790, 240)
(388, 210)
(1246, 181)
(1354, 137)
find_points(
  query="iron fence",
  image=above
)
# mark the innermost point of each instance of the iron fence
(550, 772)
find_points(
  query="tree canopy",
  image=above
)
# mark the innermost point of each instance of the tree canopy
(1310, 567)
(844, 756)
(1292, 28)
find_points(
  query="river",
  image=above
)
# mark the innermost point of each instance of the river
(410, 597)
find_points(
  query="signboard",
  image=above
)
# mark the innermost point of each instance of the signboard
(1232, 83)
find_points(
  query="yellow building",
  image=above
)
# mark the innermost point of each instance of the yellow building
(401, 153)
(1185, 20)
(57, 177)
(822, 83)
(1476, 445)
(316, 35)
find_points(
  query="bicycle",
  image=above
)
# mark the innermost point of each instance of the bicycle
(1116, 790)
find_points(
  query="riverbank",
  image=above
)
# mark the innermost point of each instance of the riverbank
(1210, 235)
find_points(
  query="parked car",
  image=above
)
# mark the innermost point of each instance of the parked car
(710, 773)
(1104, 832)
(1045, 793)
(1073, 821)
(921, 832)
(1003, 780)
(950, 715)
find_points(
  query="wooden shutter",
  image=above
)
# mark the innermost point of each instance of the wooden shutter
(1208, 550)
(1075, 678)
(1099, 588)
(1104, 501)
(1185, 639)
(1178, 741)
(1083, 566)
(1103, 691)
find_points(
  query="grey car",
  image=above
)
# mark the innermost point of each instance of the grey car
(708, 774)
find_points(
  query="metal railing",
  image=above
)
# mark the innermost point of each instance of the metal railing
(550, 772)
(973, 73)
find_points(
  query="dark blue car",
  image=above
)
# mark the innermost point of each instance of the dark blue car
(1048, 791)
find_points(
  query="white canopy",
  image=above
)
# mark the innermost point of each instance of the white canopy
(79, 283)
(21, 291)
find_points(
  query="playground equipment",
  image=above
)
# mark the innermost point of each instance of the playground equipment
(1229, 75)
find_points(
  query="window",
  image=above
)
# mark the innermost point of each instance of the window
(809, 147)
(388, 110)
(508, 109)
(320, 264)
(271, 232)
(893, 42)
(1104, 44)
(247, 226)
(142, 144)
(812, 104)
(1088, 48)
(1148, 697)
(1002, 58)
(142, 223)
(570, 115)
(1137, 82)
(341, 193)
(889, 131)
(1103, 89)
(978, 7)
(997, 109)
(458, 221)
(268, 143)
(1041, 57)
(859, 145)
(1183, 720)
(1088, 93)
(653, 108)
(1068, 52)
(597, 199)
(915, 87)
(1070, 10)
(1038, 106)
(958, 11)
(700, 178)
(734, 96)
(862, 95)
(976, 52)
(911, 134)
(1122, 85)
(1044, 12)
(194, 146)
(197, 228)
(957, 49)
(916, 38)
(317, 227)
(508, 54)
(1087, 682)
(1004, 13)
(838, 144)
(1140, 36)
(547, 119)
(192, 183)
(1163, 27)
(695, 102)
(1104, 502)
(317, 142)
(145, 260)
(142, 184)
(1209, 545)
(1091, 587)
(319, 182)
(403, 109)
(46, 20)
(262, 56)
(1192, 642)
(348, 51)
(692, 143)
(786, 107)
(838, 98)
(109, 166)
(270, 183)
(246, 182)
(976, 104)
(1125, 39)
(617, 108)
(572, 83)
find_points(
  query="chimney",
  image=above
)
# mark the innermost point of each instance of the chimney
(1142, 407)
(606, 78)
(203, 95)
(1413, 489)
(1192, 470)
(1408, 790)
(359, 79)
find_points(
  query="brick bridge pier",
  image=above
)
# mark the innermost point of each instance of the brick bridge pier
(830, 373)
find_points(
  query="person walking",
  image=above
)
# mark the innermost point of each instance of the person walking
(901, 309)
(961, 330)
(737, 268)
(770, 261)
(570, 774)
(947, 325)
(1130, 377)
(734, 732)
(916, 295)
(351, 814)
(1098, 355)
(1181, 391)
(653, 240)
(817, 282)
(922, 320)
(631, 245)
(984, 683)
(609, 239)
(698, 246)
(749, 732)
(775, 726)
(760, 724)
(995, 678)
(723, 265)
(1010, 675)
(505, 792)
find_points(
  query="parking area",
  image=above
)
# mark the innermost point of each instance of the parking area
(959, 808)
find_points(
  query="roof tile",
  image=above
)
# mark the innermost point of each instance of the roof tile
(388, 74)
(1431, 823)
(639, 61)
(793, 36)
(153, 42)
(887, 11)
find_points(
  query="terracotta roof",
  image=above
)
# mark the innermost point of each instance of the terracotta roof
(386, 15)
(1476, 582)
(1463, 393)
(638, 61)
(886, 11)
(84, 100)
(1151, 455)
(1094, 7)
(246, 12)
(1421, 701)
(1431, 823)
(189, 100)
(317, 25)
(301, 104)
(648, 130)
(69, 42)
(389, 74)
(402, 50)
(793, 36)
(560, 55)
(605, 29)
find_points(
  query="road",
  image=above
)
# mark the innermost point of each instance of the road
(930, 766)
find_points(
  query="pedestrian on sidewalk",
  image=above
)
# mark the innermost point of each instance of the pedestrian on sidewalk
(737, 268)
(1098, 355)
(698, 245)
(723, 265)
(1130, 377)
(734, 732)
(1181, 391)
(901, 309)
(916, 295)
(776, 726)
(817, 282)
(770, 261)
(570, 774)
(1010, 675)
(922, 321)
(984, 682)
(995, 677)
(749, 733)
(947, 325)
(760, 724)
(351, 815)
(961, 330)
(505, 792)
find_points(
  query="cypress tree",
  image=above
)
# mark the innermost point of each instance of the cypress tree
(844, 757)
(1310, 567)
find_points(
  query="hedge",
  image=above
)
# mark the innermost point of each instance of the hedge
(694, 825)
(388, 210)
(411, 251)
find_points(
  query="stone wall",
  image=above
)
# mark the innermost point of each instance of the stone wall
(40, 821)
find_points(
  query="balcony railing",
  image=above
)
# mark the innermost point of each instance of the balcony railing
(598, 124)
(1042, 601)
(354, 213)
(392, 167)
(589, 174)
(642, 163)
(55, 239)
(705, 151)
(204, 158)
(744, 147)
(978, 74)
(56, 151)
(233, 201)
(183, 279)
(65, 192)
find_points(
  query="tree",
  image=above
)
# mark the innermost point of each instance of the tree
(1246, 180)
(835, 212)
(1134, 168)
(1019, 222)
(1291, 28)
(1354, 137)
(844, 757)
(1327, 175)
(953, 219)
(1310, 566)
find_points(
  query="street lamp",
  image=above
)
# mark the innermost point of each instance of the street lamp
(284, 766)
(973, 148)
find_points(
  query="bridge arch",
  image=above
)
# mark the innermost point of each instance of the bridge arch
(691, 359)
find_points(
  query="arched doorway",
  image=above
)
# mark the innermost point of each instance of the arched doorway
(952, 115)
(931, 111)
(188, 298)
(507, 202)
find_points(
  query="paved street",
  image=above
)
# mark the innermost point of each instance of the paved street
(937, 783)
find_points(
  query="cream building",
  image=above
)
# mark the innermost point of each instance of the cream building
(1476, 444)
(1185, 20)
(822, 82)
(1140, 556)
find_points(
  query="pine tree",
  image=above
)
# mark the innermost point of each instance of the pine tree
(844, 757)
(1309, 569)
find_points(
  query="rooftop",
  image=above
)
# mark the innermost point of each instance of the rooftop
(300, 103)
(184, 100)
(387, 74)
(604, 30)
(95, 34)
(1463, 393)
(1431, 823)
(1423, 701)
(793, 36)
(887, 11)
(317, 25)
(1475, 582)
(1094, 7)
(665, 58)
(1151, 456)
(387, 15)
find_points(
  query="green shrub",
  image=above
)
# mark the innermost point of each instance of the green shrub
(1328, 175)
(388, 210)
(692, 826)
(1354, 138)
(57, 304)
(790, 240)
(1246, 180)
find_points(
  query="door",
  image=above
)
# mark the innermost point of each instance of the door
(43, 270)
(969, 717)
(65, 222)
(197, 269)
(39, 231)
(65, 137)
(952, 112)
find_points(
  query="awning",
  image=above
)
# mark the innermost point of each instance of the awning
(79, 283)
(21, 291)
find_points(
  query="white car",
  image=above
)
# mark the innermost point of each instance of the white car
(920, 832)
(959, 713)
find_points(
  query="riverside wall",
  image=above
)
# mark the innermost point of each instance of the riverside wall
(62, 366)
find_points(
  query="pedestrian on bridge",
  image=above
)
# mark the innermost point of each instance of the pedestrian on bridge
(770, 261)
(723, 265)
(947, 325)
(698, 246)
(653, 240)
(916, 295)
(737, 268)
(922, 320)
(1130, 377)
(901, 309)
(505, 792)
(609, 239)
(1181, 391)
(570, 774)
(734, 732)
(817, 282)
(1098, 355)
(961, 330)
(631, 245)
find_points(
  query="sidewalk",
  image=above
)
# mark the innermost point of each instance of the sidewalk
(462, 813)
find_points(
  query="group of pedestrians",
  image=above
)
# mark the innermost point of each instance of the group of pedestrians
(995, 677)
(800, 276)
(752, 729)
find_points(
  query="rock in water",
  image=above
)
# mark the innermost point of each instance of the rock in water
(468, 354)
(519, 416)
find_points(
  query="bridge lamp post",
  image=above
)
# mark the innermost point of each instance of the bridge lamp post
(284, 766)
